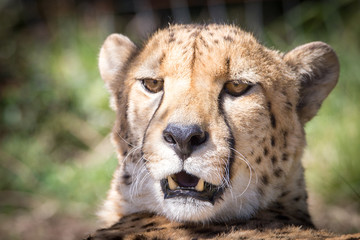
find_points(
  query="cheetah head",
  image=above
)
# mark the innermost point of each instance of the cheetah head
(210, 122)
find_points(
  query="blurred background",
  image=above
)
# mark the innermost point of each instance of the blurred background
(56, 159)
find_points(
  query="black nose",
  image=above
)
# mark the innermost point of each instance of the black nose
(184, 138)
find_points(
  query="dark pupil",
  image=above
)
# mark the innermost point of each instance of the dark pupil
(155, 82)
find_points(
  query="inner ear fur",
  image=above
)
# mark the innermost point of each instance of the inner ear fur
(114, 55)
(317, 69)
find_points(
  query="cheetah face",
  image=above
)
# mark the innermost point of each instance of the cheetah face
(209, 121)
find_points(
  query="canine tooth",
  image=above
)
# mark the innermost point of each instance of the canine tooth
(172, 184)
(200, 186)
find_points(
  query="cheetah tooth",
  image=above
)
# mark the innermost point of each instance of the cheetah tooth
(200, 186)
(172, 184)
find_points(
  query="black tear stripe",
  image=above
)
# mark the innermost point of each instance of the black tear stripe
(231, 139)
(147, 127)
(122, 96)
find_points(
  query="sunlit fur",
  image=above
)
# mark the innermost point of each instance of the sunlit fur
(255, 140)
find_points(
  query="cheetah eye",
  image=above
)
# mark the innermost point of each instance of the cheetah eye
(153, 85)
(236, 88)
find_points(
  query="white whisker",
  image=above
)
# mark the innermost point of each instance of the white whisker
(118, 133)
(251, 169)
(131, 152)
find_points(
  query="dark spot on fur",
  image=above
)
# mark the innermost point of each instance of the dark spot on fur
(204, 42)
(127, 179)
(272, 141)
(194, 34)
(266, 151)
(285, 157)
(135, 219)
(216, 41)
(154, 229)
(140, 237)
(235, 31)
(227, 63)
(285, 134)
(148, 225)
(228, 38)
(184, 227)
(273, 159)
(278, 172)
(171, 36)
(258, 160)
(269, 105)
(272, 120)
(265, 179)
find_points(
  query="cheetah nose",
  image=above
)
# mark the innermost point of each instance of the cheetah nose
(184, 139)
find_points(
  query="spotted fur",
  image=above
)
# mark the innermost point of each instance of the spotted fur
(255, 140)
(149, 226)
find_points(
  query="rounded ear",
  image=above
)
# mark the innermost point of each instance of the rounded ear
(317, 69)
(114, 54)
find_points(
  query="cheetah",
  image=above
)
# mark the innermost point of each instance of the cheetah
(209, 131)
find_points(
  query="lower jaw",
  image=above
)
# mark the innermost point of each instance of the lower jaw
(210, 194)
(188, 210)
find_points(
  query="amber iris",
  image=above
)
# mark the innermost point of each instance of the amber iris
(236, 88)
(153, 85)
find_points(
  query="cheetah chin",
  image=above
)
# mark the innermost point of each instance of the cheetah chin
(210, 124)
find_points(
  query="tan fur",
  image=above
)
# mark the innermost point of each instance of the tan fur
(255, 141)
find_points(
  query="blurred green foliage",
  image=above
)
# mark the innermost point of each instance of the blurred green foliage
(55, 118)
(54, 113)
(332, 156)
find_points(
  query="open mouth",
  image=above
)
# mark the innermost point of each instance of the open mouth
(183, 184)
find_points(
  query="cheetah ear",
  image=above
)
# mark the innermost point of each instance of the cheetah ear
(317, 68)
(114, 55)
